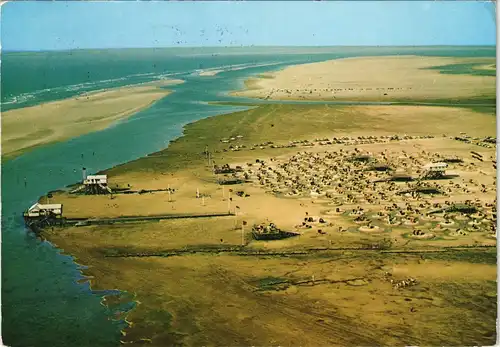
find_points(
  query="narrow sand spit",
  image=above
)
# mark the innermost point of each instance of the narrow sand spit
(55, 121)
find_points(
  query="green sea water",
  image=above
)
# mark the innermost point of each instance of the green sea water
(43, 301)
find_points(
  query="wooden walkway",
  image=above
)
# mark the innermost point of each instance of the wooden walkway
(38, 225)
(127, 219)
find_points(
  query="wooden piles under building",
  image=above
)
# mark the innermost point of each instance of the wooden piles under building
(94, 185)
(39, 216)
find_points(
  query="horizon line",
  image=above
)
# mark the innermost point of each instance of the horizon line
(239, 47)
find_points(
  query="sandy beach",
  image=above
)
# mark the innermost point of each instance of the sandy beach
(29, 127)
(297, 166)
(390, 78)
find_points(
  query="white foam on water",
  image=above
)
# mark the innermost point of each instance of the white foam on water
(79, 87)
(234, 67)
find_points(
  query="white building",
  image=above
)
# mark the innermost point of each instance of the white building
(96, 179)
(436, 167)
(38, 210)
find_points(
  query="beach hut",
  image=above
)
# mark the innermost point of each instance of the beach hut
(437, 167)
(434, 170)
(39, 210)
(96, 184)
(40, 215)
(96, 179)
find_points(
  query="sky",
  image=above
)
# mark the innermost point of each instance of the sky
(41, 25)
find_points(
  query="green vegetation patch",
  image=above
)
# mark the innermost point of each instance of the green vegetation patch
(474, 69)
(272, 283)
(469, 310)
(272, 122)
(164, 317)
(470, 256)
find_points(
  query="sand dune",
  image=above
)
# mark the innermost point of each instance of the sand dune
(29, 127)
(373, 79)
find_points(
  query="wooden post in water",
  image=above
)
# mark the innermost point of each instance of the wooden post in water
(229, 202)
(169, 194)
(197, 193)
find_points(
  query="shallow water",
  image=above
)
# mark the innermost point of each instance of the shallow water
(42, 302)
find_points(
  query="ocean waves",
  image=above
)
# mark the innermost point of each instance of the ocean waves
(56, 93)
(66, 91)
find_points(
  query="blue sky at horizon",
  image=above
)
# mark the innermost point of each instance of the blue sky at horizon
(56, 25)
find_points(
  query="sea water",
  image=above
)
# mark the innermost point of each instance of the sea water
(43, 301)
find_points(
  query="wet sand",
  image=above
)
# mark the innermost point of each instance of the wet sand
(26, 128)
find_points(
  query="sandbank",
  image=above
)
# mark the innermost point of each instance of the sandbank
(29, 127)
(210, 72)
(388, 78)
(215, 71)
